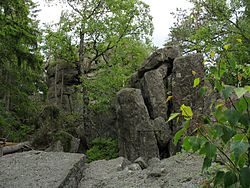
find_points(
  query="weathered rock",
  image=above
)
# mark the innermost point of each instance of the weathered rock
(134, 81)
(61, 82)
(56, 147)
(134, 167)
(185, 70)
(154, 94)
(135, 134)
(163, 135)
(41, 169)
(141, 162)
(74, 145)
(99, 170)
(162, 56)
(182, 170)
(153, 162)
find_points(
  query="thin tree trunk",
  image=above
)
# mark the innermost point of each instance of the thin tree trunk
(62, 87)
(55, 83)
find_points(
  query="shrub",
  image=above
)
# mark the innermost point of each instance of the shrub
(223, 137)
(102, 148)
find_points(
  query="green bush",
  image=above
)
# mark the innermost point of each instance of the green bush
(102, 148)
(223, 138)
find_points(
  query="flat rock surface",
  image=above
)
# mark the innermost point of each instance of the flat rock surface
(41, 169)
(180, 171)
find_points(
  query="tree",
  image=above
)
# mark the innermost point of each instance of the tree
(98, 26)
(219, 30)
(20, 65)
(104, 32)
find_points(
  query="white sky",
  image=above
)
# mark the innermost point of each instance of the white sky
(160, 10)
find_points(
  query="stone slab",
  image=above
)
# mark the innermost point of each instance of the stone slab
(41, 169)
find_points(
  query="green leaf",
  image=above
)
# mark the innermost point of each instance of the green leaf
(232, 116)
(196, 82)
(180, 133)
(227, 46)
(173, 116)
(239, 148)
(228, 133)
(241, 105)
(239, 40)
(230, 179)
(227, 91)
(206, 163)
(209, 150)
(169, 98)
(218, 85)
(212, 54)
(186, 111)
(240, 91)
(219, 178)
(202, 91)
(186, 144)
(196, 142)
(247, 88)
(244, 177)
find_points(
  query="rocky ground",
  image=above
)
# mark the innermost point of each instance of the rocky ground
(57, 169)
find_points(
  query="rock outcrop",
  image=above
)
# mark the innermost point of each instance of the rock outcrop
(62, 81)
(68, 170)
(41, 169)
(182, 170)
(143, 108)
(136, 135)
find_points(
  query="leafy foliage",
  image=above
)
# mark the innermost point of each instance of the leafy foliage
(102, 148)
(111, 77)
(20, 68)
(220, 30)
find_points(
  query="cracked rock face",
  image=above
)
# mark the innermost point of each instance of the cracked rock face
(142, 108)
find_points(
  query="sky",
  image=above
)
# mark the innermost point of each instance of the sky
(159, 9)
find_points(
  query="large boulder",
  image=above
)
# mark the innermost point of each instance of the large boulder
(163, 134)
(162, 56)
(135, 133)
(154, 94)
(186, 69)
(41, 169)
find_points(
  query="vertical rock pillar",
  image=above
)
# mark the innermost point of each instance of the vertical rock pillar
(136, 136)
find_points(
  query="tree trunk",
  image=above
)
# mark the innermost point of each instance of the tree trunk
(15, 148)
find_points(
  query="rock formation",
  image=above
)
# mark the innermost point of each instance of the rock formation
(68, 170)
(142, 107)
(62, 81)
(41, 169)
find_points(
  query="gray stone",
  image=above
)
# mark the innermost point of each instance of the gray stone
(41, 169)
(161, 56)
(141, 162)
(154, 94)
(163, 134)
(185, 70)
(74, 145)
(100, 170)
(153, 161)
(134, 81)
(134, 167)
(182, 170)
(164, 74)
(56, 147)
(135, 133)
